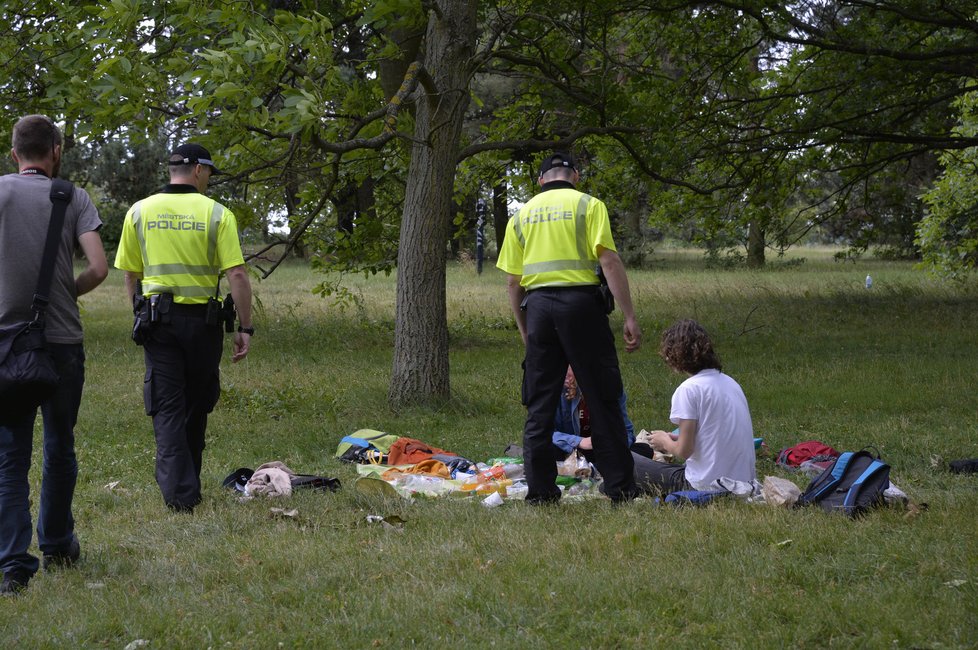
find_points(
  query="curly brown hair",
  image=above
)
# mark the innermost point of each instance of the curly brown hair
(687, 347)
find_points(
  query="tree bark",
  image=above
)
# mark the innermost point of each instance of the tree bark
(755, 245)
(420, 365)
(500, 212)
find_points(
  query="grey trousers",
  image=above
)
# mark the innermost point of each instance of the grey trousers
(653, 477)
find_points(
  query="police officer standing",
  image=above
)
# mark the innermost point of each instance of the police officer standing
(173, 248)
(551, 251)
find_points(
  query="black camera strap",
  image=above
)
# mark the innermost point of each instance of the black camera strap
(61, 193)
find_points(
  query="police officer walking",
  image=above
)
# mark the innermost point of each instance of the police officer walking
(551, 251)
(174, 246)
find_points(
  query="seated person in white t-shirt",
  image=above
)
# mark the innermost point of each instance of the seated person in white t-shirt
(715, 433)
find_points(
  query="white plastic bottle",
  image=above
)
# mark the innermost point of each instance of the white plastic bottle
(869, 282)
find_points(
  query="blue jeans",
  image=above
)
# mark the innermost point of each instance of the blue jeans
(55, 524)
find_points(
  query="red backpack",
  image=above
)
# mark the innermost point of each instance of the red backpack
(811, 450)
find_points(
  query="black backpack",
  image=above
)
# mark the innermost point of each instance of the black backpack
(852, 484)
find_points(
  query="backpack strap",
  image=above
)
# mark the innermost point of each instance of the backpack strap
(873, 451)
(322, 483)
(874, 467)
(61, 193)
(827, 481)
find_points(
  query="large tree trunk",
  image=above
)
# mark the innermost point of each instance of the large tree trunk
(420, 368)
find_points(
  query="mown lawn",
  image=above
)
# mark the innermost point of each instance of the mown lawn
(819, 357)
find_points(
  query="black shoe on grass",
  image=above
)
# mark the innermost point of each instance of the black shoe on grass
(62, 559)
(13, 583)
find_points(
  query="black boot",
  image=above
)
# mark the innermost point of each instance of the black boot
(62, 559)
(13, 583)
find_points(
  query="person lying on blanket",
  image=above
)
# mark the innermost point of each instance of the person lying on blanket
(716, 436)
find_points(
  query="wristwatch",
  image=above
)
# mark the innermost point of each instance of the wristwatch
(250, 331)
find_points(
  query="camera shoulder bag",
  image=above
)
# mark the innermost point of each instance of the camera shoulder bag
(28, 374)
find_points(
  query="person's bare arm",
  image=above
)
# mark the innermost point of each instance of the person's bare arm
(131, 278)
(614, 273)
(516, 294)
(97, 267)
(683, 445)
(241, 294)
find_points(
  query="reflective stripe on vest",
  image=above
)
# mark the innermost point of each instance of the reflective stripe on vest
(192, 291)
(199, 270)
(139, 231)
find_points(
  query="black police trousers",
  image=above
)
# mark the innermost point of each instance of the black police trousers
(182, 385)
(568, 325)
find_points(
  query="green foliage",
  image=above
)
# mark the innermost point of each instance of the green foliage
(734, 124)
(342, 296)
(263, 89)
(709, 118)
(116, 174)
(948, 234)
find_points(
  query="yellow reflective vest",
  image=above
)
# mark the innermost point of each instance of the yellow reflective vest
(180, 240)
(554, 240)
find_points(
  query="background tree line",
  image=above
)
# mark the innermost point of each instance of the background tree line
(370, 130)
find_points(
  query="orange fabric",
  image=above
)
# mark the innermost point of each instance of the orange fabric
(408, 451)
(430, 467)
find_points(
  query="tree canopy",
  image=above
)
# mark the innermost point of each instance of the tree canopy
(367, 127)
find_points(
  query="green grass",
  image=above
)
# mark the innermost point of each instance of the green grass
(818, 355)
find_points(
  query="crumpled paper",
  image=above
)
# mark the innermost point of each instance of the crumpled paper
(779, 491)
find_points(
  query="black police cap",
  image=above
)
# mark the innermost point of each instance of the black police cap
(557, 159)
(193, 154)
